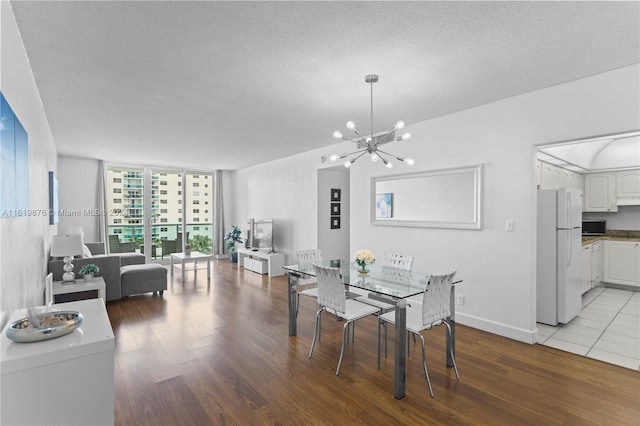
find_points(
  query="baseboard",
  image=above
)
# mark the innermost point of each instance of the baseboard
(515, 333)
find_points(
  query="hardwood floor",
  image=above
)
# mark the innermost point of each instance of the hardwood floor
(218, 353)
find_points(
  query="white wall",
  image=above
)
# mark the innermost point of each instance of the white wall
(334, 243)
(284, 190)
(25, 241)
(498, 268)
(79, 196)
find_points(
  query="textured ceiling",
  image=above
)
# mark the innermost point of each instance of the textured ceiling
(225, 85)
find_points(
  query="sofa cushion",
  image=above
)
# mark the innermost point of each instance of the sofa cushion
(86, 252)
(127, 259)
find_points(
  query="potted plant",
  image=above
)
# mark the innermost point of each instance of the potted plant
(232, 237)
(89, 270)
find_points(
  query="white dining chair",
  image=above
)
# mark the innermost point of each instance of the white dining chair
(393, 265)
(435, 309)
(397, 261)
(305, 259)
(333, 299)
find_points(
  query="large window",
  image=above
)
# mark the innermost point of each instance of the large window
(139, 198)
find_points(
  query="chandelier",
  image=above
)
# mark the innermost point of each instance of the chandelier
(370, 144)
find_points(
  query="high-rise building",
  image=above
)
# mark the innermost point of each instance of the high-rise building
(171, 203)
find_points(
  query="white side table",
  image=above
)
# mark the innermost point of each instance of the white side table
(79, 290)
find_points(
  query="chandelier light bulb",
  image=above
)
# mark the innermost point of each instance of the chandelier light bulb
(333, 157)
(389, 165)
(351, 125)
(374, 157)
(337, 135)
(406, 136)
(347, 164)
(410, 161)
(399, 125)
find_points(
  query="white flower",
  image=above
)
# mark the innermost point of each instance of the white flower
(364, 257)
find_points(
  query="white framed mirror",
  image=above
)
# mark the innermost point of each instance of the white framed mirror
(449, 198)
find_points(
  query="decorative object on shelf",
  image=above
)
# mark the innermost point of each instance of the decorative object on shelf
(43, 326)
(88, 271)
(187, 250)
(335, 194)
(67, 246)
(232, 237)
(370, 144)
(364, 258)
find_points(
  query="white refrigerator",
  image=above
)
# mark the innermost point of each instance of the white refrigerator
(559, 269)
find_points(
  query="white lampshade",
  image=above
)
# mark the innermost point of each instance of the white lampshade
(76, 230)
(66, 245)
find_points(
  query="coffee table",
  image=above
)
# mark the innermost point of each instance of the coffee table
(194, 257)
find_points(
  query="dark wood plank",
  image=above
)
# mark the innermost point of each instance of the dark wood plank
(219, 353)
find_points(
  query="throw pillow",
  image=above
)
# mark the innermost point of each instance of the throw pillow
(86, 252)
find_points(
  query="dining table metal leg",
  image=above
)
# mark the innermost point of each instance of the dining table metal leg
(400, 358)
(451, 320)
(292, 305)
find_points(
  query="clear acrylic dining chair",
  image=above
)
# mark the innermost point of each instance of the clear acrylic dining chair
(435, 309)
(333, 299)
(305, 259)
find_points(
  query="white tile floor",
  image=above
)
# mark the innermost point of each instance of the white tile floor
(607, 328)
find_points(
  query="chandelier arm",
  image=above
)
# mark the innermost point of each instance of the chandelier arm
(386, 153)
(377, 151)
(353, 160)
(354, 152)
(357, 141)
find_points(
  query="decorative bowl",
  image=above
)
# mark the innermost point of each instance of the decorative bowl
(51, 325)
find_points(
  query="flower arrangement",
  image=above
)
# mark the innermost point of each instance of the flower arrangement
(364, 258)
(89, 269)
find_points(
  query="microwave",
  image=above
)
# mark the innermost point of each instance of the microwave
(594, 227)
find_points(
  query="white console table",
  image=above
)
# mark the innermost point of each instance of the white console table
(261, 262)
(68, 380)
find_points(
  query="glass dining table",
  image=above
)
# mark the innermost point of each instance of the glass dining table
(388, 285)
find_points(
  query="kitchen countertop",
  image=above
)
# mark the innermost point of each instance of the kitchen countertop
(613, 234)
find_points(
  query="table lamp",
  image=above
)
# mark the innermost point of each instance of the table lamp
(76, 230)
(67, 246)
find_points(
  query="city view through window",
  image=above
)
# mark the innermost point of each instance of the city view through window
(176, 207)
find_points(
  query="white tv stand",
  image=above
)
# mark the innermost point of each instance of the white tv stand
(261, 262)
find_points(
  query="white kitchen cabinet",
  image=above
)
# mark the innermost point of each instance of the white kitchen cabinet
(621, 263)
(628, 184)
(596, 262)
(600, 192)
(551, 176)
(586, 268)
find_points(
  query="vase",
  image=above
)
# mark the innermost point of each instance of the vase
(364, 270)
(88, 277)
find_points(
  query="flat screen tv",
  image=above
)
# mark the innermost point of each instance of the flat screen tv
(261, 234)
